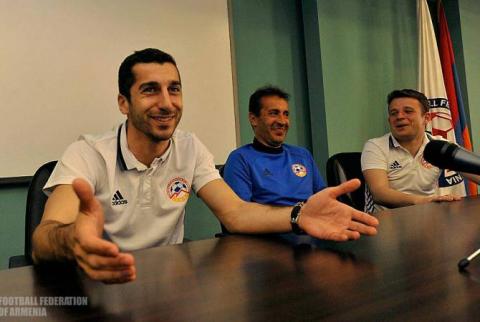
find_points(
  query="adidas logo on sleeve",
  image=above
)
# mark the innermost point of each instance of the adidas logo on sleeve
(118, 199)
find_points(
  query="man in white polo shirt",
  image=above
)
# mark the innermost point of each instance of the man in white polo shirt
(133, 195)
(393, 165)
(131, 185)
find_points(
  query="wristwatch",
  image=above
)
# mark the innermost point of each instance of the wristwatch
(294, 216)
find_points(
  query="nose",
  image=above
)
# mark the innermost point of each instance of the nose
(164, 100)
(400, 115)
(283, 119)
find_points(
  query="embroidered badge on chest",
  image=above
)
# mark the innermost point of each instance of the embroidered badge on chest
(425, 164)
(299, 170)
(178, 189)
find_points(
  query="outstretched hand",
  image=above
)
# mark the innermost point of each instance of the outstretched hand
(324, 217)
(100, 259)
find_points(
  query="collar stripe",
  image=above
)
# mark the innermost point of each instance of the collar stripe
(120, 160)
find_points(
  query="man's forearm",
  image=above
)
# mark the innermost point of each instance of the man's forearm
(253, 218)
(53, 241)
(392, 198)
(239, 216)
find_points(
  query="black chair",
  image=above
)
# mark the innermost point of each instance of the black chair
(345, 166)
(36, 200)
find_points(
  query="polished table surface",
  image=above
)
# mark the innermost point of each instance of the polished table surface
(408, 272)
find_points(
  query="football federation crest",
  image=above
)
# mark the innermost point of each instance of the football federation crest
(425, 164)
(299, 170)
(178, 189)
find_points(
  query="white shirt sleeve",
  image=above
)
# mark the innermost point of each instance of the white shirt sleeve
(79, 160)
(373, 157)
(205, 170)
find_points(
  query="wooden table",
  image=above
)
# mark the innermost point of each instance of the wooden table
(408, 272)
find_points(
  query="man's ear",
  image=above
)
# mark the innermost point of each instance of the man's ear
(428, 117)
(123, 104)
(253, 119)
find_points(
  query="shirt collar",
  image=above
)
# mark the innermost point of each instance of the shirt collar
(267, 149)
(393, 143)
(120, 158)
(125, 158)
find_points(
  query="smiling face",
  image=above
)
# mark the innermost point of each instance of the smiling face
(407, 119)
(155, 106)
(271, 126)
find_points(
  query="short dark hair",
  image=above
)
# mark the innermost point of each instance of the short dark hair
(254, 103)
(412, 94)
(126, 78)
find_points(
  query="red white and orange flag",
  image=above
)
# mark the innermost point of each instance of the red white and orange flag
(431, 83)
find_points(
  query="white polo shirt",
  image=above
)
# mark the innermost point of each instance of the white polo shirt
(143, 206)
(406, 173)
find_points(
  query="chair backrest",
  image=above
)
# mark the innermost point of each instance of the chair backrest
(36, 200)
(345, 166)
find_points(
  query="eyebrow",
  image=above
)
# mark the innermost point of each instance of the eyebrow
(148, 84)
(407, 107)
(156, 84)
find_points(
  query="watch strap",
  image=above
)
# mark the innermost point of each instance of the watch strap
(294, 216)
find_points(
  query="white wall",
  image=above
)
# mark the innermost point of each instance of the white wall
(58, 71)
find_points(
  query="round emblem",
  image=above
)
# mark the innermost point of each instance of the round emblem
(299, 170)
(178, 190)
(425, 164)
(441, 123)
